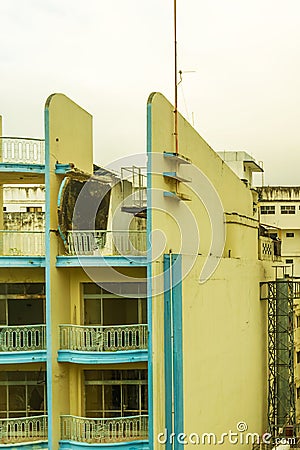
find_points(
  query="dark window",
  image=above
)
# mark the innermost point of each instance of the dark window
(267, 209)
(116, 393)
(22, 304)
(298, 392)
(288, 209)
(290, 234)
(23, 394)
(298, 357)
(289, 261)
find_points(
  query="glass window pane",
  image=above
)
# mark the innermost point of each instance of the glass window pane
(3, 406)
(35, 288)
(91, 288)
(92, 311)
(93, 401)
(35, 398)
(16, 376)
(2, 312)
(15, 288)
(131, 399)
(112, 399)
(17, 398)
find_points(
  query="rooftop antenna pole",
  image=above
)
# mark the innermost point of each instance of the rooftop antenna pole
(176, 86)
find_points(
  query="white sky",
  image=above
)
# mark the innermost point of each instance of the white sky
(108, 56)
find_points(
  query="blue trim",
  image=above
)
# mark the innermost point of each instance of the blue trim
(134, 445)
(61, 187)
(149, 275)
(168, 350)
(176, 261)
(180, 159)
(22, 261)
(101, 261)
(175, 176)
(80, 357)
(48, 279)
(62, 169)
(23, 357)
(23, 168)
(172, 195)
(36, 445)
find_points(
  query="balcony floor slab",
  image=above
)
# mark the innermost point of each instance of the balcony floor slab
(101, 261)
(133, 445)
(22, 261)
(80, 357)
(36, 445)
(23, 357)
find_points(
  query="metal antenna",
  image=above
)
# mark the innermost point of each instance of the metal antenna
(176, 85)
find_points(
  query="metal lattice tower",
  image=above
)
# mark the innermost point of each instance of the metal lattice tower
(281, 387)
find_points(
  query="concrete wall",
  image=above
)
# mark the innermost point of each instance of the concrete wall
(224, 322)
(68, 140)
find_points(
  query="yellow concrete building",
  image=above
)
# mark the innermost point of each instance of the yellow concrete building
(136, 319)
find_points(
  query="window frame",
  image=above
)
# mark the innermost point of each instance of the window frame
(287, 209)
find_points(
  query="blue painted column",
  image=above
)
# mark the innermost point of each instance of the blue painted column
(174, 416)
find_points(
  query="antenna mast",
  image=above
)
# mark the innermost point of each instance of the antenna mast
(175, 73)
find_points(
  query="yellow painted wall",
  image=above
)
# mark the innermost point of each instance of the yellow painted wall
(70, 141)
(22, 275)
(224, 321)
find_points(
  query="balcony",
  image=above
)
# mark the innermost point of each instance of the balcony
(104, 247)
(22, 343)
(103, 344)
(23, 429)
(104, 242)
(22, 248)
(22, 150)
(104, 430)
(269, 249)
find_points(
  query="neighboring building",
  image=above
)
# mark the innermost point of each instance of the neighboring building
(243, 165)
(280, 211)
(24, 198)
(138, 309)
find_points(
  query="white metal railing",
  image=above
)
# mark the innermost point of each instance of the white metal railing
(22, 243)
(103, 339)
(119, 429)
(134, 186)
(104, 242)
(23, 429)
(22, 150)
(22, 338)
(269, 249)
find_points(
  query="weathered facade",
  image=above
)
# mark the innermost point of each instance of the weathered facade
(137, 313)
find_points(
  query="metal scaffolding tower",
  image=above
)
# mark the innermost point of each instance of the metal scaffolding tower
(280, 295)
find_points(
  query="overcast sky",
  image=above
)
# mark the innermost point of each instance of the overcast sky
(108, 56)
